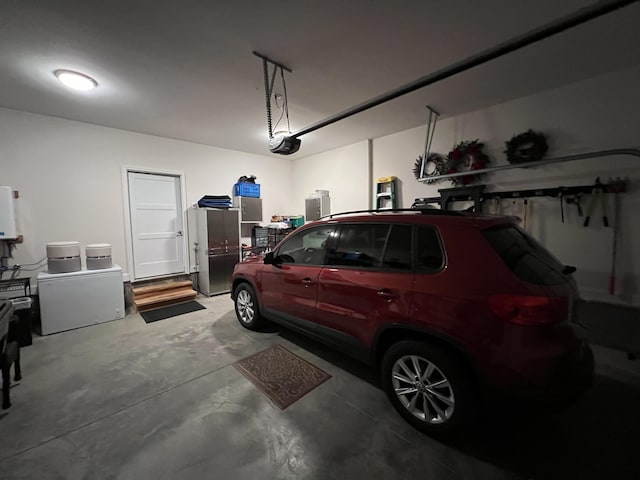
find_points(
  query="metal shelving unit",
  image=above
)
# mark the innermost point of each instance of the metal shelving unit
(15, 285)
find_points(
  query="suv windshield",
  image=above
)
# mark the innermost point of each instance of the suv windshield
(526, 258)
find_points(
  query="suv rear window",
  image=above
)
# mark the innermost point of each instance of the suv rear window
(526, 258)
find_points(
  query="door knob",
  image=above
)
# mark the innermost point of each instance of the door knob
(179, 233)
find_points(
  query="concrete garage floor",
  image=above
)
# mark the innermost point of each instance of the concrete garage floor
(129, 400)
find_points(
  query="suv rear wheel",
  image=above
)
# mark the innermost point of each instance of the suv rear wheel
(427, 386)
(246, 304)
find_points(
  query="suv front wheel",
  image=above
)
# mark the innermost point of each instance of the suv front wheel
(427, 386)
(246, 304)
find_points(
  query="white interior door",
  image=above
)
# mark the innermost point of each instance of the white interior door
(155, 206)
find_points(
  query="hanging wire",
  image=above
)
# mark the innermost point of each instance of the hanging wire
(285, 102)
(33, 264)
(282, 108)
(20, 269)
(286, 99)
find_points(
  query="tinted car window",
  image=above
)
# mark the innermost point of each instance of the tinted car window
(397, 254)
(429, 255)
(307, 247)
(359, 245)
(526, 258)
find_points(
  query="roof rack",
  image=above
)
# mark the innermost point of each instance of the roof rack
(423, 211)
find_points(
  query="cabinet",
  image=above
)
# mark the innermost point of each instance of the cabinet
(218, 249)
(7, 214)
(316, 207)
(250, 208)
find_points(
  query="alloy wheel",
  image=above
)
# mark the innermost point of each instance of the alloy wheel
(423, 389)
(244, 304)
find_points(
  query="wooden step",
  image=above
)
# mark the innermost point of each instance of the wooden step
(141, 292)
(167, 297)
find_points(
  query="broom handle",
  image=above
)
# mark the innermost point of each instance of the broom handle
(616, 213)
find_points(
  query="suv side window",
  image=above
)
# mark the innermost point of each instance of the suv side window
(429, 256)
(307, 247)
(397, 254)
(359, 245)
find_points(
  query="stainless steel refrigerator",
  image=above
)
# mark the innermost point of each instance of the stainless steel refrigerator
(218, 248)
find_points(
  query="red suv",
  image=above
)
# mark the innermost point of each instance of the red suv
(444, 304)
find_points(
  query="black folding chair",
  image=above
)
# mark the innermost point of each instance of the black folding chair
(9, 350)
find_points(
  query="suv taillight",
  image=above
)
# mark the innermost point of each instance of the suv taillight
(529, 310)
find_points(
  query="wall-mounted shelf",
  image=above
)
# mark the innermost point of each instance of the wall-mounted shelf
(634, 152)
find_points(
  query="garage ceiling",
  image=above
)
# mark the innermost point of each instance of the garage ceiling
(184, 70)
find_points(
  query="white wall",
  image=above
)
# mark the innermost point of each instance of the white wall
(345, 172)
(69, 173)
(69, 176)
(597, 114)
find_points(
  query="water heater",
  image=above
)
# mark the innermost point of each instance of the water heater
(7, 214)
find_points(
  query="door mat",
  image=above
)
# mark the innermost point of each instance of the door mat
(281, 375)
(151, 316)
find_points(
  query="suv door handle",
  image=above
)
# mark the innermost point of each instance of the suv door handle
(386, 294)
(307, 282)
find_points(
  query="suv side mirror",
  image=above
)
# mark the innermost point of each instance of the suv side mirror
(271, 259)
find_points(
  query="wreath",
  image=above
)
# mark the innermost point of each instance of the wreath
(433, 167)
(529, 146)
(465, 157)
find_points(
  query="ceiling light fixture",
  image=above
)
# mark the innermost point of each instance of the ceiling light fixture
(76, 80)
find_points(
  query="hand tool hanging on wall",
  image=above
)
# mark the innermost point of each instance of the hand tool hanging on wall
(560, 195)
(614, 251)
(575, 200)
(479, 196)
(597, 195)
(615, 187)
(525, 208)
(495, 210)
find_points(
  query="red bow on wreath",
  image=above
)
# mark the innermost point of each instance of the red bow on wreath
(464, 157)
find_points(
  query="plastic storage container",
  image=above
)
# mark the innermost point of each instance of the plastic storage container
(22, 309)
(260, 237)
(297, 221)
(246, 190)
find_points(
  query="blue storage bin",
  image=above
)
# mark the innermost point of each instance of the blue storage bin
(247, 190)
